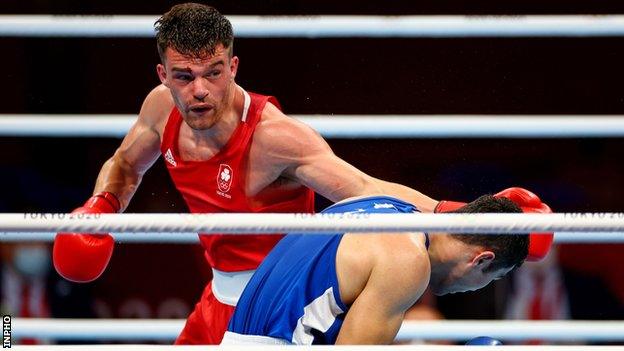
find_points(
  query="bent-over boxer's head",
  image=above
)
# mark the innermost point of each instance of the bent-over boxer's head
(195, 44)
(474, 260)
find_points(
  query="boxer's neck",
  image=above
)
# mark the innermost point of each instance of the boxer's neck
(219, 134)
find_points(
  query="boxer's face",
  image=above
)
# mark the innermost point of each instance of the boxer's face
(470, 275)
(202, 88)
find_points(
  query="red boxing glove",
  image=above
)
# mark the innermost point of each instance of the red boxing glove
(82, 258)
(539, 243)
(448, 206)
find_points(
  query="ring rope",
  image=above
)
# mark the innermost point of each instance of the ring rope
(349, 126)
(321, 223)
(327, 26)
(168, 329)
(192, 238)
(306, 348)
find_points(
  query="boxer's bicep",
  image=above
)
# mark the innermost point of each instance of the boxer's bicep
(307, 158)
(289, 148)
(368, 322)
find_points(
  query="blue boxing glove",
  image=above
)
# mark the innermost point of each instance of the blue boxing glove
(484, 341)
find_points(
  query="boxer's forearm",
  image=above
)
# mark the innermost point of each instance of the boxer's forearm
(119, 178)
(423, 202)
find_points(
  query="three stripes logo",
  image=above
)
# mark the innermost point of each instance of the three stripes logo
(169, 158)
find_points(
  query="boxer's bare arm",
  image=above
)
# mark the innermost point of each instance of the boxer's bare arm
(399, 276)
(423, 202)
(295, 151)
(305, 156)
(140, 148)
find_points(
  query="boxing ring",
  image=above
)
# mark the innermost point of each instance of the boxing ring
(183, 228)
(568, 227)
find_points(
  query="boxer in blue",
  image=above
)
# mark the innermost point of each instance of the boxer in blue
(355, 288)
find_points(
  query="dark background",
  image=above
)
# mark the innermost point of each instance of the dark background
(336, 76)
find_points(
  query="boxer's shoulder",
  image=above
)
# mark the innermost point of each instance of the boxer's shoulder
(157, 107)
(403, 249)
(274, 120)
(404, 260)
(401, 253)
(397, 268)
(285, 134)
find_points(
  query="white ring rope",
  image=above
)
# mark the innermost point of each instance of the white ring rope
(168, 329)
(327, 26)
(325, 223)
(307, 348)
(192, 238)
(350, 126)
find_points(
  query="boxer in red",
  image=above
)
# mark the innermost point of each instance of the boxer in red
(227, 150)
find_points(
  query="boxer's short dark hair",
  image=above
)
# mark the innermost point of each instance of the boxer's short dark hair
(510, 249)
(193, 30)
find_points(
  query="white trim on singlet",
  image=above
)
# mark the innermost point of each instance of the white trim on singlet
(228, 287)
(231, 338)
(246, 105)
(320, 314)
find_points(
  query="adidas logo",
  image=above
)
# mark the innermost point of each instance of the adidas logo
(169, 158)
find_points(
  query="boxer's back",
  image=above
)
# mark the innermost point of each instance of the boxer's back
(294, 296)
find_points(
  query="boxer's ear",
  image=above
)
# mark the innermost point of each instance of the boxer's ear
(483, 259)
(162, 74)
(234, 66)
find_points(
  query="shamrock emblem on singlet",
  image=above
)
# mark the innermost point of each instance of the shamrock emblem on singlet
(224, 177)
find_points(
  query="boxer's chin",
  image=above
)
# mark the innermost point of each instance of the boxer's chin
(201, 120)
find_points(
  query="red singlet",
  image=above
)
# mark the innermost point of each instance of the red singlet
(218, 185)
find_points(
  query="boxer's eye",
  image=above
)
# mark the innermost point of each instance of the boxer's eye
(214, 74)
(184, 78)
